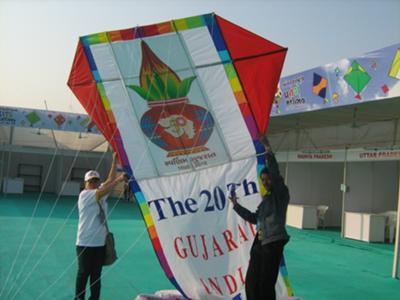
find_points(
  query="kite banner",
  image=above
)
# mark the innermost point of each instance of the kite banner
(45, 119)
(371, 77)
(183, 103)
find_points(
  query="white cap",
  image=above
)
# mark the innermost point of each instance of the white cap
(91, 174)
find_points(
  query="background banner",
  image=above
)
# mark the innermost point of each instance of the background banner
(35, 118)
(371, 77)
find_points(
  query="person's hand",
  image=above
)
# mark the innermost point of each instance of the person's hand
(121, 177)
(233, 199)
(264, 140)
(114, 158)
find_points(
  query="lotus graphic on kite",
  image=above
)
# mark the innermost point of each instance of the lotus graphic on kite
(157, 80)
(357, 78)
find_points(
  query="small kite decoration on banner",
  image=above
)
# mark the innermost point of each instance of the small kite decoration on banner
(183, 103)
(319, 87)
(357, 78)
(33, 118)
(395, 68)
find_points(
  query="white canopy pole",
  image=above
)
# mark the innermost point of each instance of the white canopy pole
(397, 237)
(60, 168)
(52, 131)
(2, 164)
(344, 191)
(9, 157)
(287, 167)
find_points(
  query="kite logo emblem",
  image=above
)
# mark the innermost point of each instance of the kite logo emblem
(172, 123)
(177, 126)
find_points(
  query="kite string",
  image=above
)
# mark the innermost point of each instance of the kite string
(139, 162)
(121, 78)
(51, 243)
(94, 107)
(33, 212)
(134, 243)
(120, 259)
(54, 205)
(29, 223)
(204, 94)
(163, 111)
(78, 256)
(51, 211)
(47, 249)
(44, 226)
(148, 142)
(75, 259)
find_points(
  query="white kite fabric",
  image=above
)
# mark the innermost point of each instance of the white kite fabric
(173, 99)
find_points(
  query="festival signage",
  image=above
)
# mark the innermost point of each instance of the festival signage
(315, 155)
(359, 154)
(370, 77)
(374, 154)
(44, 119)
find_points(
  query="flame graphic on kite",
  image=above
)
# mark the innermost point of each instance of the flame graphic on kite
(157, 80)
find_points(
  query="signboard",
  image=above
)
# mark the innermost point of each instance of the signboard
(34, 118)
(367, 154)
(370, 77)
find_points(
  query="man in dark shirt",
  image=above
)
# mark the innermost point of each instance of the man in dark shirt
(270, 218)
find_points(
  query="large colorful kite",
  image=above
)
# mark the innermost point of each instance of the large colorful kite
(182, 103)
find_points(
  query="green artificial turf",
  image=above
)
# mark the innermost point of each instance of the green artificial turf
(321, 265)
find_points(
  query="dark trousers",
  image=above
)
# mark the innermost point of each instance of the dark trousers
(263, 270)
(90, 263)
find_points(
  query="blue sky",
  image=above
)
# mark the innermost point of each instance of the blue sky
(38, 38)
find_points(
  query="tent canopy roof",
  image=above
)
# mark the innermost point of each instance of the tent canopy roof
(44, 129)
(355, 115)
(37, 139)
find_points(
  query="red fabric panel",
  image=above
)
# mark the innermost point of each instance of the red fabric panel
(82, 84)
(80, 72)
(120, 35)
(90, 99)
(259, 77)
(243, 43)
(258, 63)
(149, 30)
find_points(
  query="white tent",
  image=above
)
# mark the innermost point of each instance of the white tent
(326, 133)
(336, 131)
(49, 150)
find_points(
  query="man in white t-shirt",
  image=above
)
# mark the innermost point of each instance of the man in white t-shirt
(92, 232)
